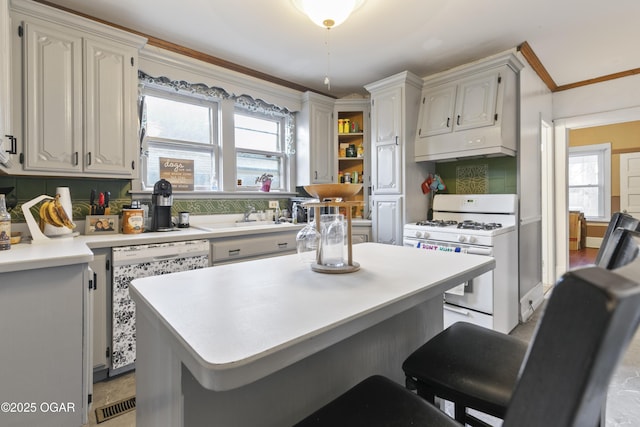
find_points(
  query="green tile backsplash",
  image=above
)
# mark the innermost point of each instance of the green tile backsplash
(491, 175)
(27, 188)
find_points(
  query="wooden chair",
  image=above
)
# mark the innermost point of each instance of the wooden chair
(478, 368)
(588, 323)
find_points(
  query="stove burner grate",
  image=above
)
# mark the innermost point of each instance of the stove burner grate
(437, 223)
(473, 225)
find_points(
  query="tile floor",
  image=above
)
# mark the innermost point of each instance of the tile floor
(623, 404)
(112, 390)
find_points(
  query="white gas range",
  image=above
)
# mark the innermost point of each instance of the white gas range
(482, 224)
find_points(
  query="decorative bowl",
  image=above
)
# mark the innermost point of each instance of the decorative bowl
(332, 191)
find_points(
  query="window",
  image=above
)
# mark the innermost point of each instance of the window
(259, 143)
(181, 128)
(590, 180)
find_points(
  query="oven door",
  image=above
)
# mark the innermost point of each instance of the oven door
(475, 294)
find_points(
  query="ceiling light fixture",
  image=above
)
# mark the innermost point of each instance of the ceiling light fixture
(328, 13)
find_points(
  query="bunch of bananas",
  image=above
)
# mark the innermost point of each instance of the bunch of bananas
(52, 213)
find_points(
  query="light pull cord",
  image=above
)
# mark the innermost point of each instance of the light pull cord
(327, 80)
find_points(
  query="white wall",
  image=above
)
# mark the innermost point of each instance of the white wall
(535, 105)
(607, 96)
(614, 101)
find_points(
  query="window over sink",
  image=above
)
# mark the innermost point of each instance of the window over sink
(185, 121)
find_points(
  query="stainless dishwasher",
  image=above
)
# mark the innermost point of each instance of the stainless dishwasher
(134, 262)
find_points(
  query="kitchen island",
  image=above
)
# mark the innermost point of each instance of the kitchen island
(266, 342)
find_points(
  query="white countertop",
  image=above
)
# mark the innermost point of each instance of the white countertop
(234, 324)
(74, 250)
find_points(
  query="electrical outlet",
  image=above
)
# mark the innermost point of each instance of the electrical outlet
(273, 204)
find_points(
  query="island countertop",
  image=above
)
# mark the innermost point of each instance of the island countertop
(234, 324)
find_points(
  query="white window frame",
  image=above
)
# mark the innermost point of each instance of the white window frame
(214, 147)
(281, 153)
(603, 151)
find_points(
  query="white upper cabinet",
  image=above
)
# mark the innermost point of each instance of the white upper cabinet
(386, 121)
(315, 151)
(469, 104)
(79, 81)
(476, 102)
(53, 98)
(470, 111)
(109, 111)
(6, 141)
(438, 109)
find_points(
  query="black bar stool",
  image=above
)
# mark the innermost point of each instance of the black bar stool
(589, 321)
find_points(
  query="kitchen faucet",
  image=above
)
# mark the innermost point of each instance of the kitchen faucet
(250, 209)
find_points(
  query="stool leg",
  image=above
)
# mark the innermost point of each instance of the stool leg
(460, 412)
(426, 394)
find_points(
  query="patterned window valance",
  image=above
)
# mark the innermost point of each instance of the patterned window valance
(242, 101)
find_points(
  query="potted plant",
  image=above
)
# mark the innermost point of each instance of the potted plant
(265, 179)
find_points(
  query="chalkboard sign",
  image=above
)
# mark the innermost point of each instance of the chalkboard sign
(179, 172)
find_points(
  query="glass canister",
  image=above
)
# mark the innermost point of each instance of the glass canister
(332, 240)
(307, 242)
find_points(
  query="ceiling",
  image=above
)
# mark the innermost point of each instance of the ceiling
(575, 40)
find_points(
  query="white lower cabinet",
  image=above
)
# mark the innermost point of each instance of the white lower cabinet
(387, 220)
(360, 233)
(46, 378)
(101, 268)
(243, 248)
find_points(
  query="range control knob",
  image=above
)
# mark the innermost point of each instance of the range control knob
(418, 234)
(473, 239)
(461, 238)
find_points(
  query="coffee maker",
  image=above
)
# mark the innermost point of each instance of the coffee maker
(161, 202)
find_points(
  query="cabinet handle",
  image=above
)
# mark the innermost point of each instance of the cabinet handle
(458, 120)
(133, 165)
(75, 159)
(89, 158)
(234, 252)
(396, 139)
(282, 245)
(448, 120)
(14, 145)
(316, 175)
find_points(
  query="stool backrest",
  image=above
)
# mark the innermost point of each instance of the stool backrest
(622, 247)
(618, 220)
(590, 319)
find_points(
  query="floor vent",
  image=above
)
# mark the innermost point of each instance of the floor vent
(112, 410)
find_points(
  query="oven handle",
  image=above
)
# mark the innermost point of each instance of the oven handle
(479, 251)
(457, 310)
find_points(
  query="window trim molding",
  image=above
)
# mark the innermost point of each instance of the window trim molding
(203, 91)
(241, 101)
(605, 149)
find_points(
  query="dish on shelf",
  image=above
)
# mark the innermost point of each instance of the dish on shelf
(332, 191)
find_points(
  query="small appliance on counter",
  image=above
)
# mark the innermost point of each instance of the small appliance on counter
(161, 203)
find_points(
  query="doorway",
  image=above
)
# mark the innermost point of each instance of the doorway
(560, 217)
